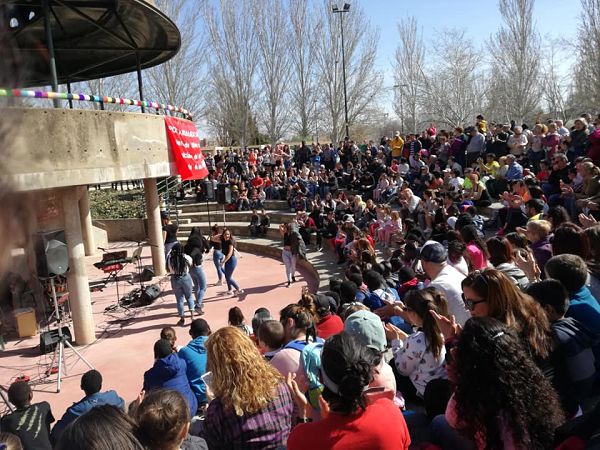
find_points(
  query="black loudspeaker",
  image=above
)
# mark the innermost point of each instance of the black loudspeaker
(149, 294)
(51, 254)
(49, 339)
(223, 194)
(147, 274)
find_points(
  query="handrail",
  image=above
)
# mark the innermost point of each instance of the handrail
(24, 93)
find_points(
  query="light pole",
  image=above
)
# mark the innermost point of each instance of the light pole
(335, 10)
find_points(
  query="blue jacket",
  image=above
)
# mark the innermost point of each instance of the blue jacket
(83, 406)
(169, 373)
(584, 307)
(194, 354)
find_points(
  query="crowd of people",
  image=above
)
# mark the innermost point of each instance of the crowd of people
(449, 324)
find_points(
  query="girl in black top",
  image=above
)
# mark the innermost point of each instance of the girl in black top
(229, 262)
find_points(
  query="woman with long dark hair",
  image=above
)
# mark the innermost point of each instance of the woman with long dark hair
(179, 265)
(215, 242)
(502, 399)
(350, 420)
(229, 262)
(502, 256)
(477, 252)
(195, 247)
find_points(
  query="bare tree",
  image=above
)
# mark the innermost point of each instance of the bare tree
(303, 88)
(410, 56)
(555, 86)
(454, 83)
(516, 60)
(274, 66)
(363, 81)
(181, 80)
(234, 60)
(123, 86)
(586, 94)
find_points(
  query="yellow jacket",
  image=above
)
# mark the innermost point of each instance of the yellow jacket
(397, 145)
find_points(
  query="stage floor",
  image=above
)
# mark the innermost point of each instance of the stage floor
(123, 350)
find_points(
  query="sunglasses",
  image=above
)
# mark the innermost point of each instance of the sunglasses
(477, 276)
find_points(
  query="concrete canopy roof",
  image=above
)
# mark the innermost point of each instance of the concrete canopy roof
(92, 38)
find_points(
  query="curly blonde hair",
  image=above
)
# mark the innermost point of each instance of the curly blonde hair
(242, 379)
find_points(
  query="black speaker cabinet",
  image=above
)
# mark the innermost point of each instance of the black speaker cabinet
(147, 274)
(149, 294)
(223, 194)
(49, 339)
(51, 254)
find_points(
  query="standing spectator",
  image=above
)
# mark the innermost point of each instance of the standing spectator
(258, 412)
(517, 143)
(169, 231)
(196, 246)
(475, 147)
(179, 265)
(215, 242)
(194, 355)
(293, 247)
(229, 262)
(30, 422)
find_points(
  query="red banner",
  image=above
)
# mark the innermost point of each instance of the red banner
(185, 145)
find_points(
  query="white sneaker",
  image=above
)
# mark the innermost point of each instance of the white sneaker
(239, 292)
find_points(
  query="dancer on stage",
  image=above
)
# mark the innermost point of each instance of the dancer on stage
(229, 262)
(215, 242)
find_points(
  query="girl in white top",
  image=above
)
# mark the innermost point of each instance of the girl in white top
(420, 356)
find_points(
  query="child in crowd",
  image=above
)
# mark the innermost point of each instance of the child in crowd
(236, 319)
(271, 337)
(169, 334)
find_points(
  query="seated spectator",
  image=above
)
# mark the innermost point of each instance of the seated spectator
(476, 251)
(10, 441)
(420, 357)
(163, 420)
(91, 384)
(502, 258)
(261, 315)
(568, 238)
(320, 306)
(170, 335)
(169, 371)
(271, 337)
(298, 323)
(264, 222)
(236, 319)
(571, 271)
(380, 293)
(538, 233)
(102, 428)
(502, 399)
(258, 412)
(194, 355)
(254, 225)
(573, 354)
(29, 422)
(349, 421)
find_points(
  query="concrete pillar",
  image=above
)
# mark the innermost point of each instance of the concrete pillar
(77, 280)
(87, 228)
(155, 236)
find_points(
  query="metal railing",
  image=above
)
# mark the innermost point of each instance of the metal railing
(101, 99)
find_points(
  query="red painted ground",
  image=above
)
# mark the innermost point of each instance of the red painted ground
(123, 351)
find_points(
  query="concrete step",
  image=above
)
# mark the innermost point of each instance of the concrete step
(190, 205)
(237, 229)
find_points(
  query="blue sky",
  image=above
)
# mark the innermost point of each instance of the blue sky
(479, 18)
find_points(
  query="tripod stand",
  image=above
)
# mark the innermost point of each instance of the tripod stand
(59, 351)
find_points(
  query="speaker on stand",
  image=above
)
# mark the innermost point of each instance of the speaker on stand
(223, 197)
(52, 261)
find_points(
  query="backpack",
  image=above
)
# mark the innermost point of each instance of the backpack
(310, 361)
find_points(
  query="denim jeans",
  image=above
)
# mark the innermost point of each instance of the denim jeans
(217, 258)
(182, 288)
(230, 266)
(289, 261)
(199, 279)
